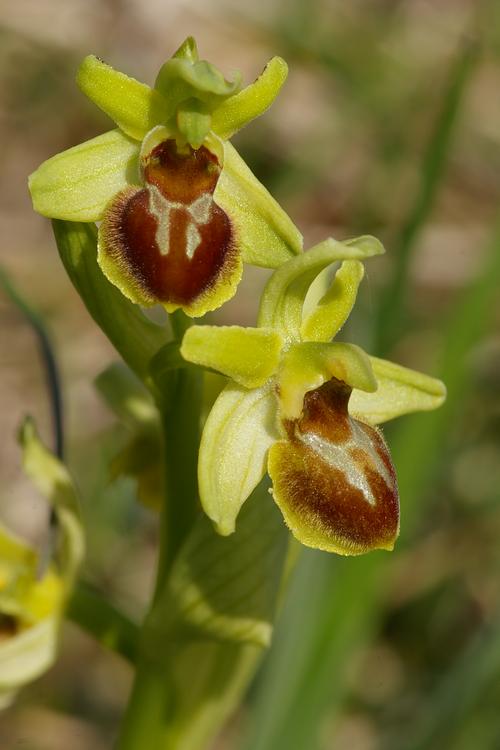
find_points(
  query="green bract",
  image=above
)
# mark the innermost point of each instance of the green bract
(31, 604)
(180, 210)
(286, 410)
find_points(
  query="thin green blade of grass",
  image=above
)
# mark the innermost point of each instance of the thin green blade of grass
(53, 380)
(391, 312)
(336, 602)
(456, 694)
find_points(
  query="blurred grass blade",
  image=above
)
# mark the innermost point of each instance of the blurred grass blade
(392, 307)
(455, 696)
(48, 358)
(420, 441)
(333, 603)
(324, 618)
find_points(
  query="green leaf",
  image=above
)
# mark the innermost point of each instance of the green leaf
(77, 184)
(400, 391)
(135, 107)
(232, 460)
(134, 336)
(333, 309)
(283, 298)
(308, 365)
(225, 588)
(247, 355)
(234, 113)
(126, 396)
(266, 235)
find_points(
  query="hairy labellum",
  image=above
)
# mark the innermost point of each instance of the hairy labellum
(333, 477)
(168, 241)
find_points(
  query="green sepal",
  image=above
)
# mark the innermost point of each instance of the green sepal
(226, 588)
(247, 355)
(327, 318)
(306, 366)
(232, 460)
(283, 298)
(77, 184)
(238, 110)
(400, 391)
(134, 336)
(135, 107)
(266, 235)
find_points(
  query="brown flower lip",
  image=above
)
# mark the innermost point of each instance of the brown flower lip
(333, 477)
(170, 236)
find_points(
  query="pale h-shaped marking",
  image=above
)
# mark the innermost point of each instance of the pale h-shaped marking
(339, 457)
(161, 208)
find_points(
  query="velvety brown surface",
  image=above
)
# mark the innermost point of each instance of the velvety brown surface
(319, 501)
(132, 235)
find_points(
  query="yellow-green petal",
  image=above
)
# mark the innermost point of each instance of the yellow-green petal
(266, 235)
(333, 309)
(77, 184)
(26, 656)
(135, 107)
(305, 367)
(400, 391)
(51, 478)
(235, 112)
(247, 355)
(283, 298)
(237, 435)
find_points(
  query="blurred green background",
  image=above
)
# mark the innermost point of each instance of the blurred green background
(389, 124)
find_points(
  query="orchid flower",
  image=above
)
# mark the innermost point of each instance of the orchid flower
(307, 409)
(32, 600)
(179, 209)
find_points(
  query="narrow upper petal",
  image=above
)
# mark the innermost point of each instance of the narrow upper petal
(283, 298)
(77, 184)
(237, 435)
(135, 107)
(400, 391)
(247, 355)
(235, 112)
(333, 309)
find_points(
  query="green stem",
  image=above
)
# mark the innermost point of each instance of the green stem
(98, 617)
(181, 425)
(147, 718)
